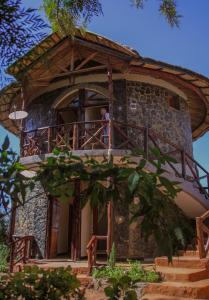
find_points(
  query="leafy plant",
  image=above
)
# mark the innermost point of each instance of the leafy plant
(37, 283)
(4, 252)
(13, 185)
(135, 271)
(122, 282)
(123, 183)
(112, 256)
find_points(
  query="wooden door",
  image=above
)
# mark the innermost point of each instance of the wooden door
(55, 218)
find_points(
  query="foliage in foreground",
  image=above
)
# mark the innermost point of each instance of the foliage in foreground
(123, 282)
(149, 195)
(65, 15)
(13, 185)
(36, 283)
(4, 252)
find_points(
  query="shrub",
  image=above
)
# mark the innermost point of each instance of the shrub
(4, 252)
(135, 271)
(36, 283)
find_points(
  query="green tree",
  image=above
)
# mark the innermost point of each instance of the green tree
(21, 28)
(65, 15)
(123, 184)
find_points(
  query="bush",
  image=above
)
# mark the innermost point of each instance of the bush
(122, 282)
(4, 252)
(135, 271)
(36, 283)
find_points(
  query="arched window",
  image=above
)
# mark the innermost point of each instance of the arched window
(174, 101)
(81, 105)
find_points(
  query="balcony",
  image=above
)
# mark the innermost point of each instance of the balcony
(114, 135)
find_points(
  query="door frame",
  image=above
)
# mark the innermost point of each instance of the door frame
(74, 222)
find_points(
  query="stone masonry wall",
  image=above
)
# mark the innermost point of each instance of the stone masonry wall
(147, 105)
(31, 219)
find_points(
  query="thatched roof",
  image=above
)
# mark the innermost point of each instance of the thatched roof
(194, 85)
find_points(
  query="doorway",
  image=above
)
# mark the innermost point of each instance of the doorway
(64, 229)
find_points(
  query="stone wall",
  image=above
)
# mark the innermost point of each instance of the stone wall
(147, 105)
(31, 219)
(127, 236)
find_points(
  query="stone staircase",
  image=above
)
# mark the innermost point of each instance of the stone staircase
(80, 270)
(187, 277)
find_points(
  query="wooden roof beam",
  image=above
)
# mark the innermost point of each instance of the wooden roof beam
(103, 49)
(76, 72)
(86, 60)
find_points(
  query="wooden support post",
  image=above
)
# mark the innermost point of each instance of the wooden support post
(200, 238)
(22, 139)
(75, 136)
(110, 89)
(208, 182)
(183, 164)
(109, 227)
(49, 133)
(146, 138)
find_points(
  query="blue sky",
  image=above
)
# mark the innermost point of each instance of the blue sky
(147, 32)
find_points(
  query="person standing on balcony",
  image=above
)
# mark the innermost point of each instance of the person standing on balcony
(106, 117)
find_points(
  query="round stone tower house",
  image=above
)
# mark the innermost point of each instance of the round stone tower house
(147, 103)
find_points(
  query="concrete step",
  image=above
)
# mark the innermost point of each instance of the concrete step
(161, 297)
(188, 253)
(188, 290)
(85, 280)
(182, 274)
(191, 262)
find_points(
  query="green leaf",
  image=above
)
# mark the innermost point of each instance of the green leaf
(130, 295)
(133, 181)
(6, 143)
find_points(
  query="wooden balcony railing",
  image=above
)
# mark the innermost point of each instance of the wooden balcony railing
(92, 250)
(114, 135)
(20, 250)
(202, 228)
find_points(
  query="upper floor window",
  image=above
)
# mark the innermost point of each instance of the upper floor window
(174, 101)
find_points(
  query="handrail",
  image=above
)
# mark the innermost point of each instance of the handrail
(92, 249)
(115, 135)
(20, 250)
(202, 230)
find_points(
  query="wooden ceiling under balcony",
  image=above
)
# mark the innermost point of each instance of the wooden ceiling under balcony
(56, 59)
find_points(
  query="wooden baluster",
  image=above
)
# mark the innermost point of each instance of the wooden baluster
(183, 164)
(49, 139)
(25, 243)
(75, 136)
(146, 139)
(110, 135)
(22, 137)
(109, 227)
(11, 262)
(200, 237)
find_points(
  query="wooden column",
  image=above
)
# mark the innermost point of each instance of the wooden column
(200, 237)
(76, 231)
(110, 90)
(109, 227)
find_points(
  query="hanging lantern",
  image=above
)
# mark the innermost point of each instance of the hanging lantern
(18, 114)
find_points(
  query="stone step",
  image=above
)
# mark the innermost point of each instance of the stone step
(191, 262)
(85, 280)
(188, 290)
(188, 253)
(182, 274)
(161, 297)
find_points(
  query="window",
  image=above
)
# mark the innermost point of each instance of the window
(174, 102)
